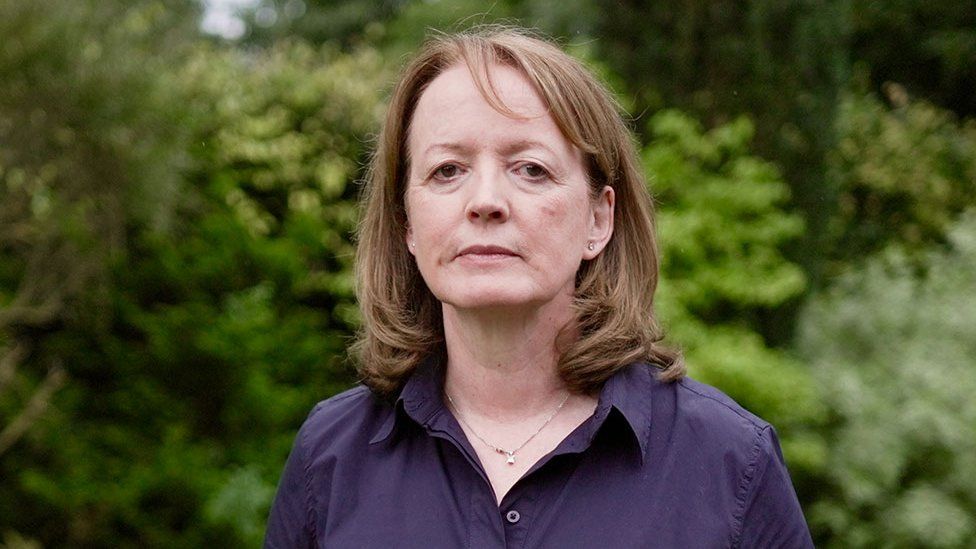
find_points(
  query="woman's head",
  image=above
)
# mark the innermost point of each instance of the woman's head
(614, 286)
(500, 208)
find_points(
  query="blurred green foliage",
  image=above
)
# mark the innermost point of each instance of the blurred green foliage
(175, 245)
(905, 170)
(722, 228)
(928, 47)
(893, 347)
(223, 301)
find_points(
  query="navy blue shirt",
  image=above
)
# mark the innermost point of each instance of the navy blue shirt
(657, 465)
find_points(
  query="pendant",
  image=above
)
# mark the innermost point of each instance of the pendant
(511, 458)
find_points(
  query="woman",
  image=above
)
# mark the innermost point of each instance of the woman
(515, 391)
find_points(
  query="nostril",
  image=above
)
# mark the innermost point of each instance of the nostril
(488, 213)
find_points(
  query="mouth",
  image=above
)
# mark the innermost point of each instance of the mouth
(486, 252)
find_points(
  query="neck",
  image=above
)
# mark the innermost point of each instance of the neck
(502, 363)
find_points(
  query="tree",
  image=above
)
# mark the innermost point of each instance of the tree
(892, 347)
(208, 195)
(722, 228)
(84, 135)
(904, 170)
(927, 47)
(63, 160)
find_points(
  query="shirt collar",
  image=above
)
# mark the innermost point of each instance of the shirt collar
(419, 399)
(628, 391)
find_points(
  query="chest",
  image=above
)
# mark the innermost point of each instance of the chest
(432, 493)
(503, 468)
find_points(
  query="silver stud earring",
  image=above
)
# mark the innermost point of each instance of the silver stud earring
(589, 246)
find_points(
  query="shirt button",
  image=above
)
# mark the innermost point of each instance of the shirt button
(512, 516)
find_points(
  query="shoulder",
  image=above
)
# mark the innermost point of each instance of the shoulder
(344, 421)
(710, 429)
(335, 428)
(349, 403)
(706, 403)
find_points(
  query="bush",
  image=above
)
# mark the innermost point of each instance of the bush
(892, 345)
(904, 173)
(722, 224)
(224, 299)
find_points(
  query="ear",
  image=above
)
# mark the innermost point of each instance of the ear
(601, 223)
(411, 243)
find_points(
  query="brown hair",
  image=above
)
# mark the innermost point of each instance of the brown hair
(615, 325)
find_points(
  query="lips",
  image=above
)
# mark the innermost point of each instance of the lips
(487, 251)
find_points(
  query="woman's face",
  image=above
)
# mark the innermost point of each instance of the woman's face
(499, 208)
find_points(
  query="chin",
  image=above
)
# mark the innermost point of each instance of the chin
(488, 300)
(495, 296)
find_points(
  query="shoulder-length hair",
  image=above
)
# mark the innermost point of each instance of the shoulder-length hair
(614, 320)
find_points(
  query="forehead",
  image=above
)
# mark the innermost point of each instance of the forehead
(453, 108)
(505, 88)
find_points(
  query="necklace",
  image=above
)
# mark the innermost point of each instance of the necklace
(509, 454)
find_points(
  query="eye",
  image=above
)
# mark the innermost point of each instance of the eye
(532, 172)
(446, 172)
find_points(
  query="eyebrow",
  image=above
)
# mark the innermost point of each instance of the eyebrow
(525, 144)
(449, 147)
(514, 147)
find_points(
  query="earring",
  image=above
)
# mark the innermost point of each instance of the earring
(589, 246)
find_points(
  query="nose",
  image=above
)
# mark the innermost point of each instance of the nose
(488, 201)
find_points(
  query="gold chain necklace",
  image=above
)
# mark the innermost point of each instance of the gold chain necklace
(509, 454)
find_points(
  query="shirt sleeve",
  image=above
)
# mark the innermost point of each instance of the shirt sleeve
(770, 512)
(289, 524)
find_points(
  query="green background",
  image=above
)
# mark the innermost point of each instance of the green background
(176, 211)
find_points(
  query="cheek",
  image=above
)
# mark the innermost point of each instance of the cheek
(552, 211)
(429, 229)
(425, 225)
(559, 230)
(417, 212)
(557, 209)
(564, 215)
